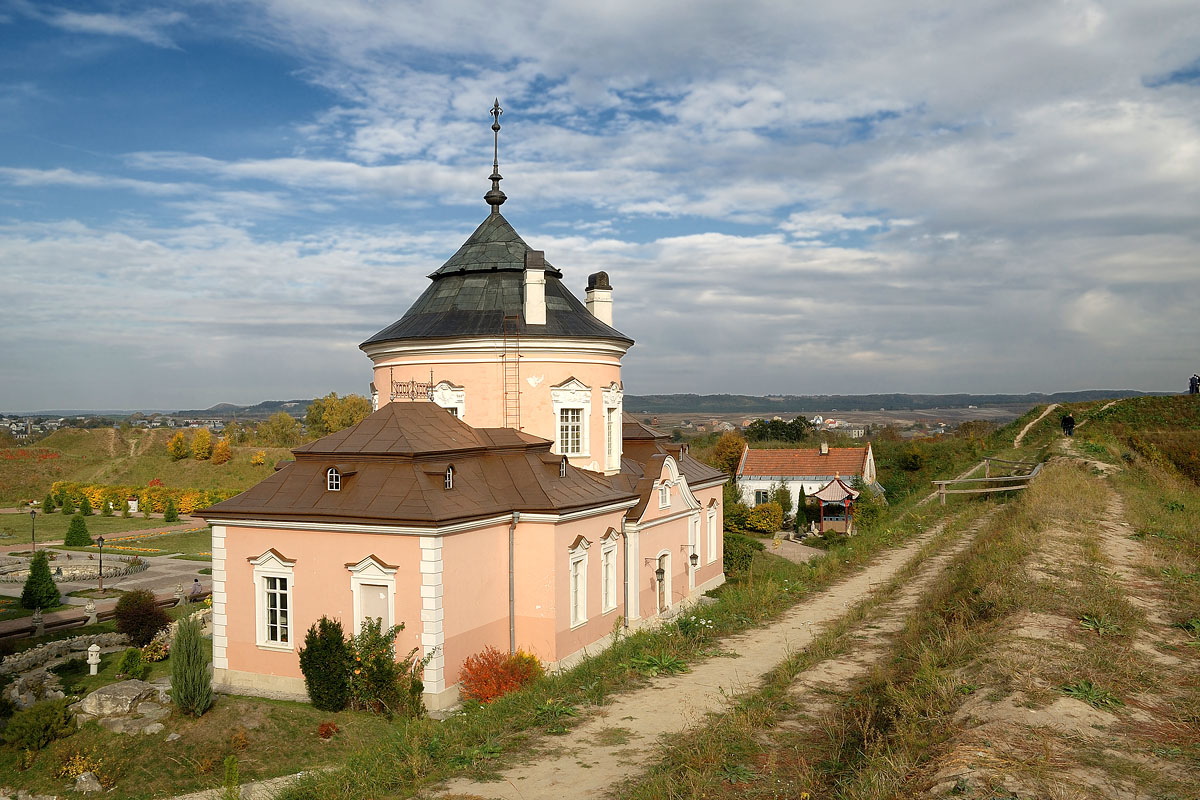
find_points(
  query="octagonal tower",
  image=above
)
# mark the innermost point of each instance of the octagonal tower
(498, 340)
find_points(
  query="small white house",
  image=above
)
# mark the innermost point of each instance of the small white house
(761, 471)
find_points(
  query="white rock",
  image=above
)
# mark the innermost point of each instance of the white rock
(88, 782)
(117, 698)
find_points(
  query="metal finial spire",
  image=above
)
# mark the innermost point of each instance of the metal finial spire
(495, 198)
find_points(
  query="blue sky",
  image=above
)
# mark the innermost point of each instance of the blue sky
(217, 201)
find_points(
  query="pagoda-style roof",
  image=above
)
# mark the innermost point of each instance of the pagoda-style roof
(836, 491)
(481, 284)
(393, 467)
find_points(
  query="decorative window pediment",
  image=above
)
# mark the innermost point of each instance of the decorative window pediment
(451, 397)
(272, 559)
(580, 545)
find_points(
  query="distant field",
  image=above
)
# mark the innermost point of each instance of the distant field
(106, 456)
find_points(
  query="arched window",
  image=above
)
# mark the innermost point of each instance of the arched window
(333, 480)
(562, 468)
(449, 477)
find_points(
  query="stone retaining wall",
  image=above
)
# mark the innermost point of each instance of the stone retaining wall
(35, 657)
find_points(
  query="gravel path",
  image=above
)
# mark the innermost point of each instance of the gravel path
(585, 763)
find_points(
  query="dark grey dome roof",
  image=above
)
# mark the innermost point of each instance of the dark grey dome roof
(483, 283)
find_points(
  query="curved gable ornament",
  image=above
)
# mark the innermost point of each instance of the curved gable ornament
(677, 478)
(580, 545)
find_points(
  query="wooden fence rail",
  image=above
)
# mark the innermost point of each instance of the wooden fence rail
(1011, 482)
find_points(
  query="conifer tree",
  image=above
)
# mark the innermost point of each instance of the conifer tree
(325, 662)
(85, 506)
(40, 591)
(170, 513)
(48, 504)
(77, 533)
(106, 510)
(68, 504)
(191, 686)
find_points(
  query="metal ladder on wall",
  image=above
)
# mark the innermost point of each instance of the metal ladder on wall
(510, 365)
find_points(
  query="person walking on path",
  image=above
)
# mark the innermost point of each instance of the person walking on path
(1068, 424)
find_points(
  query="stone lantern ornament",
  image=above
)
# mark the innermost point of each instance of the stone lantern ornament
(93, 659)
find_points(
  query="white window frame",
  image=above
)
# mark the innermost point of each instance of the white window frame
(448, 479)
(764, 493)
(572, 394)
(567, 427)
(608, 575)
(272, 565)
(614, 398)
(712, 535)
(333, 480)
(577, 569)
(372, 571)
(664, 496)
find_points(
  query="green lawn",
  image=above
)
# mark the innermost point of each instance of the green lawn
(195, 543)
(53, 527)
(10, 607)
(77, 680)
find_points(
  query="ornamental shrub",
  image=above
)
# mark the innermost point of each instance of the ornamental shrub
(39, 725)
(738, 552)
(132, 665)
(68, 504)
(48, 504)
(158, 648)
(325, 662)
(259, 458)
(106, 510)
(40, 591)
(85, 506)
(191, 686)
(178, 448)
(202, 445)
(489, 674)
(222, 452)
(378, 682)
(171, 513)
(77, 533)
(765, 518)
(139, 617)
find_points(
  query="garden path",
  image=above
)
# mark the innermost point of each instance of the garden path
(585, 763)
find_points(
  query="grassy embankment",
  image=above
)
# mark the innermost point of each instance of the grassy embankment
(107, 456)
(1034, 615)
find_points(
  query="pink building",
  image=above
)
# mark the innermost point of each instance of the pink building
(497, 496)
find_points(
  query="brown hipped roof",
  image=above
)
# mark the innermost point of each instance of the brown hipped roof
(399, 456)
(643, 452)
(803, 463)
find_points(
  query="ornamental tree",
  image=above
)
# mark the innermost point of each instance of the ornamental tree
(77, 533)
(178, 448)
(40, 591)
(222, 452)
(202, 445)
(191, 686)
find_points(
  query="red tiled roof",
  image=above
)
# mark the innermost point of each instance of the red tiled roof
(848, 461)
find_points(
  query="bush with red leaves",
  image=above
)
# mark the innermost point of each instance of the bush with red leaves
(489, 674)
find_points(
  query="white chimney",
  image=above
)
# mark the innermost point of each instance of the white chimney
(535, 287)
(599, 297)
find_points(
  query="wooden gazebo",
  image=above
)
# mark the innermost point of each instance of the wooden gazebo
(840, 499)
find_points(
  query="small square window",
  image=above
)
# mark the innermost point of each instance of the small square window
(761, 496)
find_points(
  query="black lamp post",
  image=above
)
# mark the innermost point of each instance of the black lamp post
(100, 543)
(33, 527)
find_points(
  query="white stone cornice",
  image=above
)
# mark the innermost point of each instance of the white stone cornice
(493, 346)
